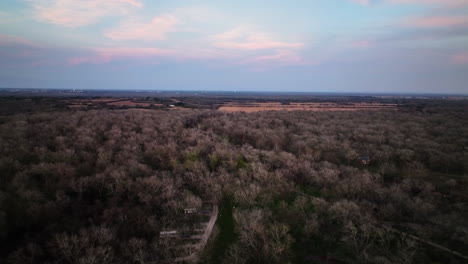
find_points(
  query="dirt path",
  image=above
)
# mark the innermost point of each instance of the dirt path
(204, 238)
(209, 226)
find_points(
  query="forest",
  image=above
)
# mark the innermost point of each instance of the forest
(101, 185)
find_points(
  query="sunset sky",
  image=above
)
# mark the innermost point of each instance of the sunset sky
(412, 46)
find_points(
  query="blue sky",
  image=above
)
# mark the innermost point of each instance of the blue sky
(415, 46)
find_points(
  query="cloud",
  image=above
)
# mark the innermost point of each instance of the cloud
(437, 21)
(362, 2)
(20, 52)
(270, 58)
(183, 19)
(16, 51)
(104, 55)
(107, 55)
(156, 29)
(76, 13)
(278, 58)
(446, 3)
(247, 46)
(197, 38)
(431, 2)
(199, 32)
(361, 44)
(242, 39)
(7, 18)
(460, 58)
(13, 40)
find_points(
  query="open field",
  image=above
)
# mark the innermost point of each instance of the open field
(306, 106)
(100, 100)
(131, 103)
(118, 102)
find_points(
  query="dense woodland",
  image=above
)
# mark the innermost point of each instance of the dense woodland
(98, 186)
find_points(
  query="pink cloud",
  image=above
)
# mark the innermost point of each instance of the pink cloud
(242, 39)
(437, 21)
(257, 44)
(234, 46)
(460, 58)
(279, 58)
(242, 43)
(75, 13)
(431, 2)
(361, 44)
(104, 55)
(20, 52)
(447, 3)
(361, 2)
(8, 39)
(155, 30)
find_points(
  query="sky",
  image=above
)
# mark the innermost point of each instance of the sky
(375, 46)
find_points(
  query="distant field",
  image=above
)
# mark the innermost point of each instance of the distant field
(100, 100)
(277, 106)
(109, 102)
(131, 103)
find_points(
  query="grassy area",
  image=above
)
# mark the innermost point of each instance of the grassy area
(226, 235)
(310, 190)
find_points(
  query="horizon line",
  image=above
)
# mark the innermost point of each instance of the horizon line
(241, 91)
